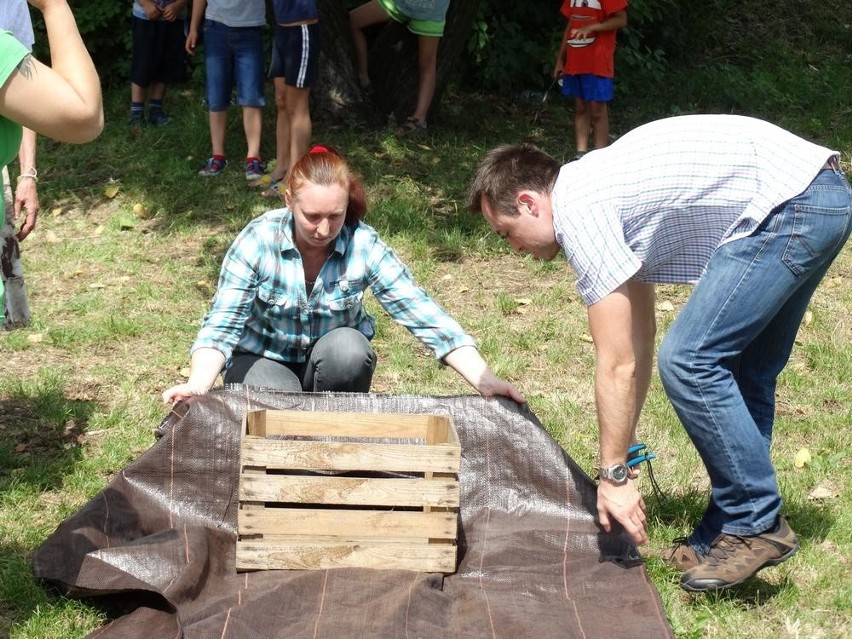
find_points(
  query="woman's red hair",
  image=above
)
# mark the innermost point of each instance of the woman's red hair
(325, 166)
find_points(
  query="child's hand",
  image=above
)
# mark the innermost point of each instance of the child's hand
(152, 9)
(170, 13)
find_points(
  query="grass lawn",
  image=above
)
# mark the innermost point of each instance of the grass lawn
(126, 257)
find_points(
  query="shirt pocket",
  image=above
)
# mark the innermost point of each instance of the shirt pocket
(274, 304)
(344, 298)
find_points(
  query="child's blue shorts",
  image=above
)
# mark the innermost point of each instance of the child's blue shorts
(233, 55)
(588, 87)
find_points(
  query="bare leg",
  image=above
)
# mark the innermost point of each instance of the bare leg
(293, 128)
(252, 123)
(158, 90)
(361, 17)
(599, 118)
(218, 124)
(582, 125)
(137, 93)
(427, 62)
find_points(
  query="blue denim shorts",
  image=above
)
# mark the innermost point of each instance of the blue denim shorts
(233, 54)
(588, 87)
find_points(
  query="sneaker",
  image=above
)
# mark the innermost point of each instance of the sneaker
(578, 156)
(156, 117)
(214, 166)
(733, 559)
(137, 119)
(255, 169)
(681, 555)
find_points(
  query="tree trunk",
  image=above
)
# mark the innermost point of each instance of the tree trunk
(392, 63)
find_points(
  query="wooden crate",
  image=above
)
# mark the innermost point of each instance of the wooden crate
(317, 491)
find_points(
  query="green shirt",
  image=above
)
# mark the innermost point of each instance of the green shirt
(11, 54)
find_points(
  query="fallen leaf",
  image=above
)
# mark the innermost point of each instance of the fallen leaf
(822, 492)
(523, 301)
(111, 190)
(808, 318)
(585, 337)
(56, 212)
(665, 306)
(97, 285)
(35, 338)
(803, 458)
(51, 237)
(20, 448)
(138, 208)
(184, 372)
(99, 230)
(463, 289)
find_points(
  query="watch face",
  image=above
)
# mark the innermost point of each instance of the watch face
(619, 473)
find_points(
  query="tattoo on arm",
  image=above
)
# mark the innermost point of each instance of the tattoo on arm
(26, 68)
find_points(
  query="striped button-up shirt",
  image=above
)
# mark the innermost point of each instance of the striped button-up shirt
(655, 205)
(262, 305)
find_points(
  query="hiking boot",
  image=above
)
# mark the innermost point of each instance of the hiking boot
(215, 165)
(733, 559)
(681, 555)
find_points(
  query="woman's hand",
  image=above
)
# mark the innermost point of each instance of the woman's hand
(496, 386)
(468, 363)
(181, 392)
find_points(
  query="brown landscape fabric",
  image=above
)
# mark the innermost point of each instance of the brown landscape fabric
(157, 544)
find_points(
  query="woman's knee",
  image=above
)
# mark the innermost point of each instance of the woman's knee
(343, 359)
(254, 370)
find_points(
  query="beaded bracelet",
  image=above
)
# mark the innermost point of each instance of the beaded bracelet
(33, 175)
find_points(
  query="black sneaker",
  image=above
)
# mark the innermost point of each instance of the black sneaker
(733, 559)
(137, 119)
(157, 117)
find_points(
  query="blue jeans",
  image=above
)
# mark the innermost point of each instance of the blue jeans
(233, 53)
(720, 359)
(340, 360)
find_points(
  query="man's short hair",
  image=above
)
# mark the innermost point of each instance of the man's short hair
(507, 170)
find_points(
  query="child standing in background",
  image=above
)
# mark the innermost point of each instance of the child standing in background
(295, 53)
(158, 58)
(585, 62)
(233, 54)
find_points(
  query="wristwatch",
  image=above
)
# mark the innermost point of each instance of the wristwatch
(615, 474)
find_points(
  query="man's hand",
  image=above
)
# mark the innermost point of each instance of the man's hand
(624, 504)
(26, 198)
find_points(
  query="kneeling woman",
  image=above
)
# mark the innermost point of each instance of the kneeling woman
(288, 311)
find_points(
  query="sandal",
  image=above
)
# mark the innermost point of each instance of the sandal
(411, 125)
(276, 190)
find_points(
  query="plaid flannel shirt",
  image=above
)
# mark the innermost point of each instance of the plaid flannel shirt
(262, 307)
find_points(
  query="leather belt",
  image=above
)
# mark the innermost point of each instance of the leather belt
(832, 164)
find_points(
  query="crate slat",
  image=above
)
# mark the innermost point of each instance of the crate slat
(258, 555)
(317, 423)
(349, 491)
(371, 517)
(312, 455)
(272, 522)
